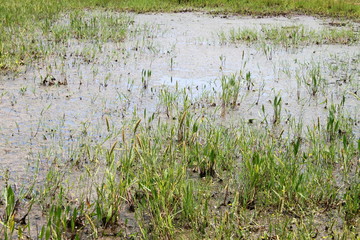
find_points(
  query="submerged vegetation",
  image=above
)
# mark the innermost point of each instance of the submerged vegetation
(140, 160)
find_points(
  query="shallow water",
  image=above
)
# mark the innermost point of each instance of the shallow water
(182, 50)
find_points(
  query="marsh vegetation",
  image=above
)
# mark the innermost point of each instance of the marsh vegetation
(179, 125)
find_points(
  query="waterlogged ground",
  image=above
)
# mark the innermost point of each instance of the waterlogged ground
(87, 95)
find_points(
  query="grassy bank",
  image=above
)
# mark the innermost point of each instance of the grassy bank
(23, 22)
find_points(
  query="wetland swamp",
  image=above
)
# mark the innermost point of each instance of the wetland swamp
(182, 126)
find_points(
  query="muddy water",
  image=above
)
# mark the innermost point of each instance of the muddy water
(104, 81)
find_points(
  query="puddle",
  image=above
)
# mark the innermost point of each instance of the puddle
(181, 50)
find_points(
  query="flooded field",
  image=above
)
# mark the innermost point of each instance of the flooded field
(184, 125)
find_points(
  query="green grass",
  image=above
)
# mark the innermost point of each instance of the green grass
(202, 179)
(23, 22)
(181, 173)
(290, 36)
